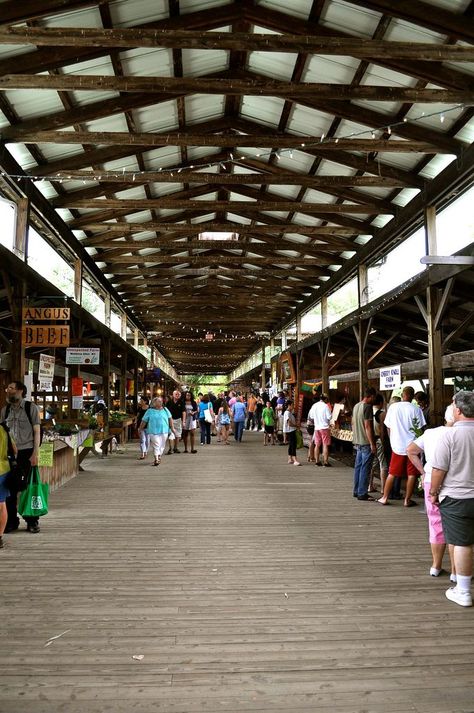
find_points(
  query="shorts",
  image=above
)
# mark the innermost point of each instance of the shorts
(435, 527)
(178, 427)
(269, 429)
(401, 466)
(457, 517)
(4, 492)
(381, 457)
(322, 436)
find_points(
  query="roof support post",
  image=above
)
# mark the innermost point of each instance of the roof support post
(78, 281)
(21, 229)
(324, 312)
(324, 351)
(135, 383)
(16, 296)
(363, 284)
(284, 343)
(362, 332)
(299, 331)
(435, 354)
(135, 339)
(106, 370)
(123, 381)
(107, 306)
(262, 374)
(123, 326)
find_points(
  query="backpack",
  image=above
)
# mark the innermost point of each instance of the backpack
(28, 413)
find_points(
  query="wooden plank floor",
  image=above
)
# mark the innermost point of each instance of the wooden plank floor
(246, 585)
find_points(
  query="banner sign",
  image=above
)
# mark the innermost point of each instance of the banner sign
(45, 385)
(46, 314)
(82, 355)
(77, 385)
(44, 335)
(45, 458)
(390, 378)
(46, 367)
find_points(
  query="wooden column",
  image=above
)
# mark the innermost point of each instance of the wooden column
(362, 332)
(262, 374)
(78, 281)
(284, 343)
(324, 351)
(324, 312)
(106, 370)
(363, 284)
(431, 242)
(135, 339)
(136, 366)
(22, 226)
(123, 326)
(16, 292)
(299, 333)
(123, 382)
(107, 310)
(435, 356)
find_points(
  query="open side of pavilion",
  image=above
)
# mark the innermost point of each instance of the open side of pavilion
(227, 581)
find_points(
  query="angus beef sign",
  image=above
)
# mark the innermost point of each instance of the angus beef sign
(47, 334)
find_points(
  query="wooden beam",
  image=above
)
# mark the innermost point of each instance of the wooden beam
(199, 176)
(232, 87)
(435, 354)
(458, 331)
(318, 231)
(139, 204)
(382, 347)
(238, 41)
(144, 139)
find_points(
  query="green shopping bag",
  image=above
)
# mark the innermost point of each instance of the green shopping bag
(33, 501)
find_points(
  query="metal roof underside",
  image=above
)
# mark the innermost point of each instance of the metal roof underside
(220, 162)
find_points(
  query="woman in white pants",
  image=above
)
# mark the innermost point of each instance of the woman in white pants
(159, 424)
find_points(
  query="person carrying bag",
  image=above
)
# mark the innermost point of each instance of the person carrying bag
(33, 501)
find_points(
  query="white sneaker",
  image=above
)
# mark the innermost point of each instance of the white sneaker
(464, 599)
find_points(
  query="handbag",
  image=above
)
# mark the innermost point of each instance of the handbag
(310, 429)
(33, 501)
(208, 416)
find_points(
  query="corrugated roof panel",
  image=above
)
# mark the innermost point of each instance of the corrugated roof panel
(313, 196)
(467, 132)
(402, 31)
(405, 196)
(54, 152)
(377, 75)
(201, 155)
(298, 8)
(331, 70)
(436, 165)
(440, 117)
(277, 65)
(201, 62)
(11, 51)
(350, 19)
(115, 122)
(167, 157)
(146, 62)
(309, 122)
(385, 108)
(330, 168)
(281, 215)
(457, 6)
(82, 17)
(202, 107)
(187, 6)
(125, 13)
(265, 110)
(29, 105)
(160, 117)
(287, 192)
(464, 67)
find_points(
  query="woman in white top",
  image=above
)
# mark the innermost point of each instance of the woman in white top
(427, 444)
(289, 430)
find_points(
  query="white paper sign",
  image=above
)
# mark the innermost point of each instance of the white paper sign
(45, 385)
(82, 355)
(77, 402)
(390, 377)
(46, 367)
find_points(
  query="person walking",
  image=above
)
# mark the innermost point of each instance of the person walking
(251, 408)
(320, 413)
(144, 437)
(239, 413)
(364, 443)
(223, 422)
(426, 443)
(189, 415)
(404, 421)
(269, 420)
(175, 407)
(258, 412)
(23, 420)
(206, 417)
(7, 448)
(452, 485)
(289, 430)
(158, 422)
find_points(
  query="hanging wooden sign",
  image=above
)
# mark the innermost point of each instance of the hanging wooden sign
(46, 314)
(44, 335)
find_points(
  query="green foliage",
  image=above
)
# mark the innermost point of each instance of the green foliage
(205, 383)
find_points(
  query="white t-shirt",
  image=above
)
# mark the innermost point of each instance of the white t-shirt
(321, 414)
(288, 421)
(428, 442)
(400, 419)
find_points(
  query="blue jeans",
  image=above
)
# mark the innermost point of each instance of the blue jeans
(363, 464)
(238, 430)
(205, 429)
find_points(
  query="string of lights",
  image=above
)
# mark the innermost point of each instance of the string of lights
(132, 175)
